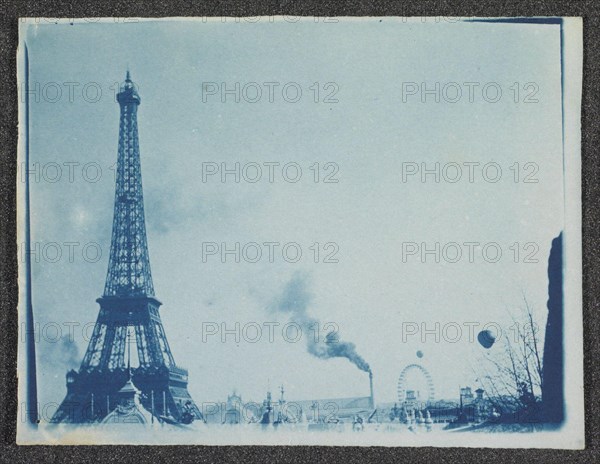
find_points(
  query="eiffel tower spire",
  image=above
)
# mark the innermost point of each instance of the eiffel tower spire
(128, 305)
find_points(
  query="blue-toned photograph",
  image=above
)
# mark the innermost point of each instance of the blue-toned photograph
(300, 231)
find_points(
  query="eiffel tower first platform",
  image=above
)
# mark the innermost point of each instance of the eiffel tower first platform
(128, 309)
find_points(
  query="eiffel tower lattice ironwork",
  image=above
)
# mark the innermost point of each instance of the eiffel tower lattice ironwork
(128, 307)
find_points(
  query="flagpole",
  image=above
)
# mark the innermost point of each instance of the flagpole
(31, 375)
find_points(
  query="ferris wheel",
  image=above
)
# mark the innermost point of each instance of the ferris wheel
(402, 381)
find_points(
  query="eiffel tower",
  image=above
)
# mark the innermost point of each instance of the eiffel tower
(128, 308)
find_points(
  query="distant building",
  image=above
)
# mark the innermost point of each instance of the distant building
(233, 409)
(467, 395)
(274, 412)
(335, 409)
(483, 407)
(412, 400)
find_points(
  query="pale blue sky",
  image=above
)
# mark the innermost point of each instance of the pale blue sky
(369, 133)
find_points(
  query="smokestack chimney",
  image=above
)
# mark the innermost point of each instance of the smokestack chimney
(371, 387)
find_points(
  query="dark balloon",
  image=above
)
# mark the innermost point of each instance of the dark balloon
(419, 354)
(486, 339)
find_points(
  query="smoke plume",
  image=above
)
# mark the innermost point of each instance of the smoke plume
(295, 300)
